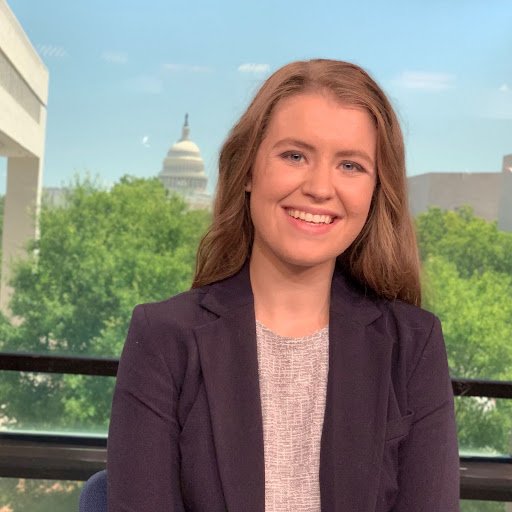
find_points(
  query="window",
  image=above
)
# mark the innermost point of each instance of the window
(119, 114)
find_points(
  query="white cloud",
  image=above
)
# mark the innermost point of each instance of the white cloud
(145, 141)
(173, 67)
(426, 81)
(145, 84)
(250, 67)
(505, 88)
(187, 68)
(199, 69)
(52, 51)
(114, 57)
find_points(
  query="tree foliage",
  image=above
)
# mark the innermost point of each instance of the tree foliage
(471, 243)
(476, 313)
(467, 271)
(23, 495)
(99, 254)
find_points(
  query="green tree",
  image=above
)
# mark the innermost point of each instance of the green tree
(20, 495)
(476, 313)
(98, 255)
(473, 244)
(467, 272)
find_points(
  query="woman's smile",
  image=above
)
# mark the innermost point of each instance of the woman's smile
(309, 217)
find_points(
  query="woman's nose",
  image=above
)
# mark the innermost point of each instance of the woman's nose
(318, 182)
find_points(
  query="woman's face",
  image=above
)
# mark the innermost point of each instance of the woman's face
(312, 180)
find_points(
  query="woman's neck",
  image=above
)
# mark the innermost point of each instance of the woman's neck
(290, 300)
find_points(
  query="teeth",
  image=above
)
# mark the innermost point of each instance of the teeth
(309, 217)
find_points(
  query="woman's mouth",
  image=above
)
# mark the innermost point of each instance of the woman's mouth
(310, 217)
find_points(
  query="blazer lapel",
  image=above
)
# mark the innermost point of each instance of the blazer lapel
(228, 353)
(356, 405)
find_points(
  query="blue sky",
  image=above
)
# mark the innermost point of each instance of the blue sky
(124, 73)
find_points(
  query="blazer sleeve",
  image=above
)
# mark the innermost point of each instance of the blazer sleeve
(143, 453)
(428, 478)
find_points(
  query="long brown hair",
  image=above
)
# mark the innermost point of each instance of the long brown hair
(384, 256)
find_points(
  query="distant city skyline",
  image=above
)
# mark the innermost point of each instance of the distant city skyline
(123, 74)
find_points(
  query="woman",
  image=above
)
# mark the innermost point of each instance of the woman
(299, 372)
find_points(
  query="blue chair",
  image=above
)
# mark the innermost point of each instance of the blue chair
(93, 497)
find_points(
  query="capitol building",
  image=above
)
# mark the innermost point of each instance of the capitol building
(183, 171)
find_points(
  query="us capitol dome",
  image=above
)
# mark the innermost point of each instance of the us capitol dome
(183, 171)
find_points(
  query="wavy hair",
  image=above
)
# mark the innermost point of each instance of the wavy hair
(384, 256)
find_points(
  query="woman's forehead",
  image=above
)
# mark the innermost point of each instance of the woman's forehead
(316, 117)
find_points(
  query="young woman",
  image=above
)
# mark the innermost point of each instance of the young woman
(299, 373)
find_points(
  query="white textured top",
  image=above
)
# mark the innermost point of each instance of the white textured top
(293, 383)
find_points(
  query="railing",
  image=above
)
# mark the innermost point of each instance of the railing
(76, 457)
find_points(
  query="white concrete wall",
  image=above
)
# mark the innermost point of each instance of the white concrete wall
(23, 99)
(20, 134)
(22, 201)
(19, 50)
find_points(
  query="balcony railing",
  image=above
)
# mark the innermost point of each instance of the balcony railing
(76, 457)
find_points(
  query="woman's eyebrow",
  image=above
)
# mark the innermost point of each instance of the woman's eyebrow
(294, 142)
(346, 153)
(356, 152)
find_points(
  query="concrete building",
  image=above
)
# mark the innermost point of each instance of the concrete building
(505, 208)
(183, 171)
(488, 193)
(23, 100)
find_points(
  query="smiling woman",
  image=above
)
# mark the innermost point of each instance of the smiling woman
(384, 255)
(299, 373)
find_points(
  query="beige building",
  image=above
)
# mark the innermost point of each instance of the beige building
(183, 171)
(23, 99)
(488, 193)
(505, 208)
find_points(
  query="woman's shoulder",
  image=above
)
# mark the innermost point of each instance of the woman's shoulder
(398, 312)
(409, 327)
(408, 315)
(417, 334)
(164, 329)
(182, 310)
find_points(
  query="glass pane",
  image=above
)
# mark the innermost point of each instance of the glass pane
(484, 506)
(467, 263)
(55, 403)
(108, 242)
(97, 257)
(25, 495)
(484, 426)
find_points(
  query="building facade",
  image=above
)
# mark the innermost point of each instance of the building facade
(23, 100)
(488, 193)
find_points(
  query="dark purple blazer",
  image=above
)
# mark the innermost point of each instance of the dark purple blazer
(186, 425)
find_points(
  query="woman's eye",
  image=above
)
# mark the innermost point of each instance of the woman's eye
(351, 166)
(293, 157)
